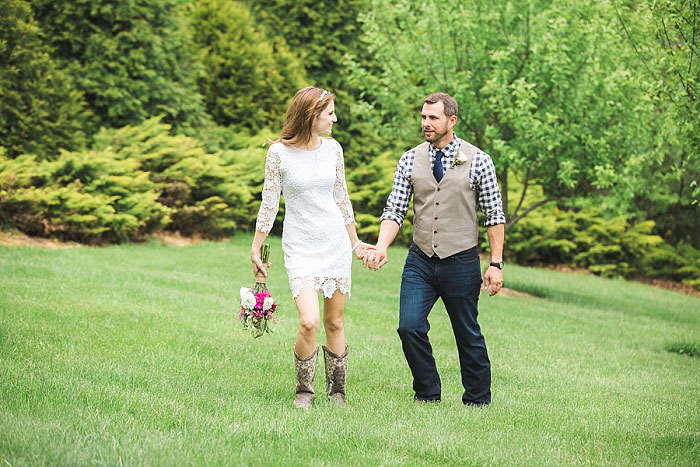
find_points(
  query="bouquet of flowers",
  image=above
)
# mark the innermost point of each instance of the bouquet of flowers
(257, 306)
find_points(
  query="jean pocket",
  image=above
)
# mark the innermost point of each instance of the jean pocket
(467, 258)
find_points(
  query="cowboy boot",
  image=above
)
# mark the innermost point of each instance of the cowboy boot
(305, 370)
(336, 370)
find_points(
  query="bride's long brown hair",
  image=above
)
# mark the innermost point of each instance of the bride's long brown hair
(307, 105)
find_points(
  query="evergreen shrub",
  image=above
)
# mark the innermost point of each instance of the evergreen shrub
(134, 181)
(615, 247)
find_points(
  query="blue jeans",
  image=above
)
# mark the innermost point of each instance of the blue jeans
(457, 280)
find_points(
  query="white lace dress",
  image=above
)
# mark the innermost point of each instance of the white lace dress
(317, 250)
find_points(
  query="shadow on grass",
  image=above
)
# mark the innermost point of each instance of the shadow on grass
(684, 348)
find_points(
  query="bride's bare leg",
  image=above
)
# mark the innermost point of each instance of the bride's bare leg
(333, 309)
(307, 306)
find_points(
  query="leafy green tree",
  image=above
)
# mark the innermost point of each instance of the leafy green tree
(665, 39)
(246, 81)
(542, 86)
(132, 59)
(39, 111)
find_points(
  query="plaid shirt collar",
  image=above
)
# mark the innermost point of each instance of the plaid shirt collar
(450, 151)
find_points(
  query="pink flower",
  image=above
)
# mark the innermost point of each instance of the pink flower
(259, 300)
(257, 309)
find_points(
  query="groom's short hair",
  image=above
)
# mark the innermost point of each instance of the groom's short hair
(448, 102)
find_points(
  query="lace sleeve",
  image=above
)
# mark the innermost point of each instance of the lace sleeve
(340, 189)
(272, 188)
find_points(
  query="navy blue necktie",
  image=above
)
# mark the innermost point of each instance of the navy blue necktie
(437, 167)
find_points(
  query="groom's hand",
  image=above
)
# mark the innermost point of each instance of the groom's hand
(493, 280)
(375, 259)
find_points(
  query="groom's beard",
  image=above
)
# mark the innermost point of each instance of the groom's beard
(436, 135)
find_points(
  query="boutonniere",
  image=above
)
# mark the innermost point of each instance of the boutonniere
(459, 159)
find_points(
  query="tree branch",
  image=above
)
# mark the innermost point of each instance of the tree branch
(670, 49)
(692, 45)
(526, 55)
(634, 45)
(668, 41)
(515, 219)
(522, 195)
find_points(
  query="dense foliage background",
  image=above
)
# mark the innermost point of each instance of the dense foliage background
(122, 118)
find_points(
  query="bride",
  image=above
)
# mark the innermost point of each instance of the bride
(318, 237)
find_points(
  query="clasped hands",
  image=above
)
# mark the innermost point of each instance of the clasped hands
(371, 256)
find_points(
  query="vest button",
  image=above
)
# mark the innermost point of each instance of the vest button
(438, 189)
(436, 218)
(434, 231)
(437, 204)
(434, 246)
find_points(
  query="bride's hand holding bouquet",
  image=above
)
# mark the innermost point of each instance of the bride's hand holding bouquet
(257, 306)
(260, 267)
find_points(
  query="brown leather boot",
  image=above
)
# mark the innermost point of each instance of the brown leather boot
(336, 371)
(305, 370)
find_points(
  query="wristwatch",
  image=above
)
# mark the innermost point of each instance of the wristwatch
(498, 265)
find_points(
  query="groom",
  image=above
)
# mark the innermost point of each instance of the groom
(448, 178)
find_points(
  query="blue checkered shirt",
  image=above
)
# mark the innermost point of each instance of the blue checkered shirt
(482, 179)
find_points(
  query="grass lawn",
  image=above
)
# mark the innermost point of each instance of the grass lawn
(132, 355)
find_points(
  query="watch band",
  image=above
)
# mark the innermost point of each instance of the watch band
(498, 265)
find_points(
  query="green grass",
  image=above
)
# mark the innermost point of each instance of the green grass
(132, 355)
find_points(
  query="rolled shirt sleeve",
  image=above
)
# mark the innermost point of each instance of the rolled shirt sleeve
(483, 179)
(400, 197)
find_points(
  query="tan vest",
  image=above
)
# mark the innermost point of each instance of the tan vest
(445, 220)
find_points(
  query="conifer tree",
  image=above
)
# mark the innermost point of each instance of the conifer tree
(132, 59)
(246, 80)
(39, 111)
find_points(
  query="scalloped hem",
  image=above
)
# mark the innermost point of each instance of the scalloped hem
(327, 285)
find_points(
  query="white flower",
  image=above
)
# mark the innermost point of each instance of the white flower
(460, 159)
(247, 300)
(267, 304)
(244, 291)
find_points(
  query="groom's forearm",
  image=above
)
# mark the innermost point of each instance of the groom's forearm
(387, 233)
(496, 235)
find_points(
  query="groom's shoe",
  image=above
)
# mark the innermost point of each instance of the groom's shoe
(430, 399)
(336, 371)
(476, 404)
(305, 370)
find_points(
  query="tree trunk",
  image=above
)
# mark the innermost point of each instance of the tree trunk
(503, 180)
(695, 238)
(679, 205)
